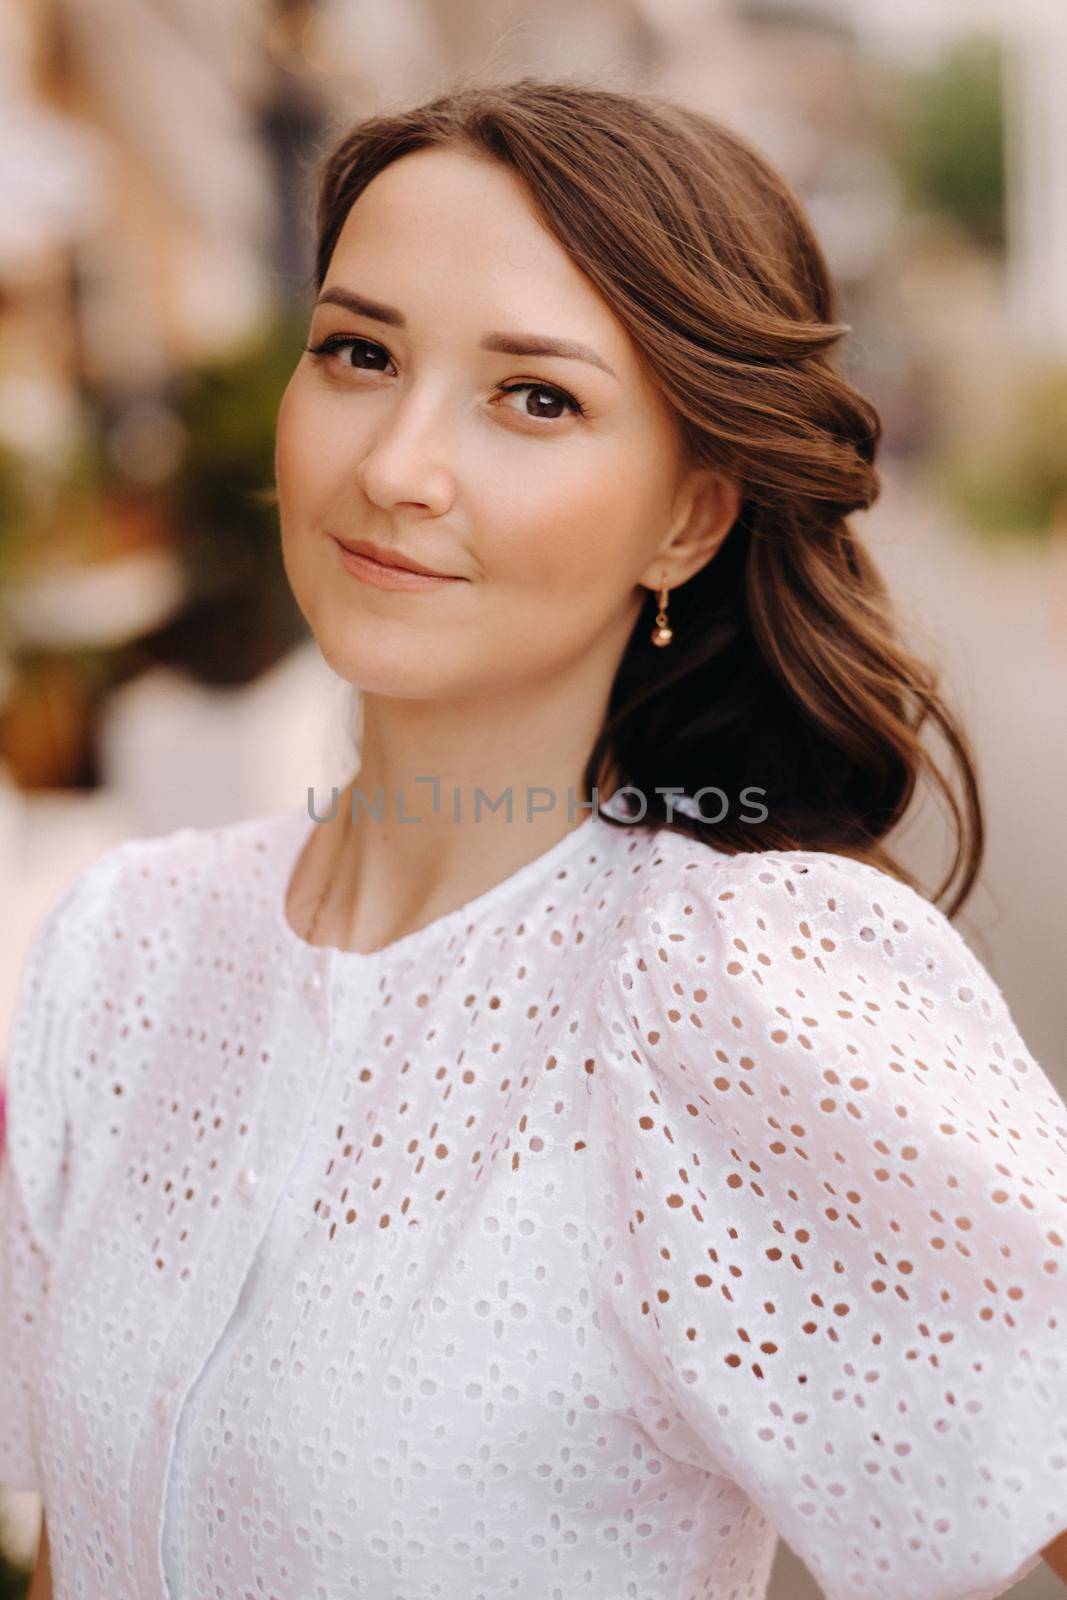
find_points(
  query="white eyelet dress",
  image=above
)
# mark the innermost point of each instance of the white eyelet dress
(653, 1205)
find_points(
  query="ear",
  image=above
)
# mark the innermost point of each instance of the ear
(708, 506)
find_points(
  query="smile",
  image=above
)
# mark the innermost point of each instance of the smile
(380, 576)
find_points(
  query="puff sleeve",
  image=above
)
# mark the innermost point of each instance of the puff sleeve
(830, 1202)
(32, 1174)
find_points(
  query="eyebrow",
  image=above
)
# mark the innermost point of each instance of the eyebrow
(512, 344)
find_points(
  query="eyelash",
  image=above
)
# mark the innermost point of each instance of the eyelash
(337, 342)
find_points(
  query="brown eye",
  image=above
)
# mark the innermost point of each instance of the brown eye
(336, 342)
(549, 400)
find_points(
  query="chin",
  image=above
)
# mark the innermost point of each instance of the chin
(395, 671)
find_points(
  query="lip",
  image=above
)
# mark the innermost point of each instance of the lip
(388, 558)
(384, 574)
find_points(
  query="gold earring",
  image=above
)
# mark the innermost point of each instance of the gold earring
(661, 633)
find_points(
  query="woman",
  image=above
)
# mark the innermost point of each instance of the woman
(451, 1203)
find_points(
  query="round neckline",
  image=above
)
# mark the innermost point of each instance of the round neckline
(408, 942)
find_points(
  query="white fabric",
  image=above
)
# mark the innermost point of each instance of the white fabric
(652, 1204)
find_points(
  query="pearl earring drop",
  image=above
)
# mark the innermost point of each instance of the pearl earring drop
(661, 633)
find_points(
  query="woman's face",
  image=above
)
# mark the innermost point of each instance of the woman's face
(415, 430)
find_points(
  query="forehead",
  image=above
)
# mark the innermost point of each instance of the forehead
(446, 232)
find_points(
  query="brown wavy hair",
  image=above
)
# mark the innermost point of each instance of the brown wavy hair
(786, 675)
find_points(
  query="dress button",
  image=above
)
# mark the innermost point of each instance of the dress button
(313, 984)
(246, 1181)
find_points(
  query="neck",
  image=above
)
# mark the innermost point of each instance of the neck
(426, 825)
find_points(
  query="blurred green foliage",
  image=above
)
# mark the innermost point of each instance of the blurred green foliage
(214, 510)
(241, 616)
(228, 409)
(947, 137)
(1017, 484)
(56, 511)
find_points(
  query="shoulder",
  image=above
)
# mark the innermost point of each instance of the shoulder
(125, 934)
(804, 970)
(760, 924)
(229, 855)
(176, 875)
(113, 918)
(178, 872)
(689, 882)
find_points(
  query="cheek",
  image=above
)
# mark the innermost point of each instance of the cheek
(581, 527)
(316, 449)
(297, 464)
(301, 481)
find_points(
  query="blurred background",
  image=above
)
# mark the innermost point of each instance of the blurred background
(156, 161)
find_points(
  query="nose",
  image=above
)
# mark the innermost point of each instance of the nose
(404, 464)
